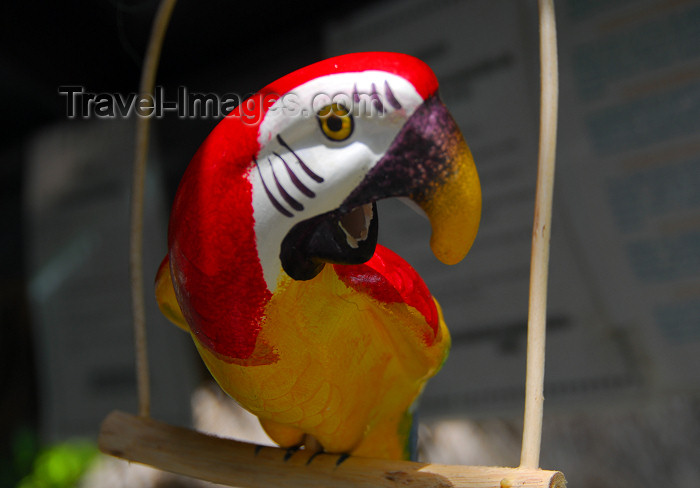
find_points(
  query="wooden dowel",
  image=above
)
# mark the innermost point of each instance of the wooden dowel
(229, 462)
(539, 264)
(146, 87)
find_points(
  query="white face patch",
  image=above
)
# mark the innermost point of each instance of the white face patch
(301, 172)
(363, 93)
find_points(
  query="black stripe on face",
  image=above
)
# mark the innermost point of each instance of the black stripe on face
(287, 197)
(390, 96)
(270, 196)
(376, 101)
(297, 182)
(306, 169)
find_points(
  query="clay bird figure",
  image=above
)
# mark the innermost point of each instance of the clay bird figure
(273, 265)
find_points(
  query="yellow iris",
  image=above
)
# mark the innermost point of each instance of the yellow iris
(336, 122)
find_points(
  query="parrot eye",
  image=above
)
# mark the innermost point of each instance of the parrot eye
(336, 122)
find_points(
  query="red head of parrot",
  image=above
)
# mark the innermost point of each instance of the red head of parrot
(288, 182)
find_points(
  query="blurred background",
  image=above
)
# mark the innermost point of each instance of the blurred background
(623, 364)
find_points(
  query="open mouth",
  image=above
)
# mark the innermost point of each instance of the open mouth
(334, 237)
(356, 224)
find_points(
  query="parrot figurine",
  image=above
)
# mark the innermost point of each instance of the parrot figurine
(273, 265)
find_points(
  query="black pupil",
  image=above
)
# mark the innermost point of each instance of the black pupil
(334, 123)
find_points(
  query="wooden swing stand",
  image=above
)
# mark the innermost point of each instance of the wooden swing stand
(226, 461)
(187, 452)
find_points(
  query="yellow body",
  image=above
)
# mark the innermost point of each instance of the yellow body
(333, 363)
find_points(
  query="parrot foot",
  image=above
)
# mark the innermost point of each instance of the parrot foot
(313, 456)
(290, 452)
(342, 459)
(311, 444)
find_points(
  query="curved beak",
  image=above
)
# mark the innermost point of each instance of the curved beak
(430, 163)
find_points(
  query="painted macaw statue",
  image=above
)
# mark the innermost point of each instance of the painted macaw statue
(273, 264)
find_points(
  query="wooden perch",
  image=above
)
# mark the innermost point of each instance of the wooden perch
(229, 462)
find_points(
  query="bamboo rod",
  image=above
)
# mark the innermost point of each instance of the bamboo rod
(539, 265)
(229, 462)
(146, 87)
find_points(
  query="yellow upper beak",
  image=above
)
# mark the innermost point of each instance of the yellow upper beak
(453, 205)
